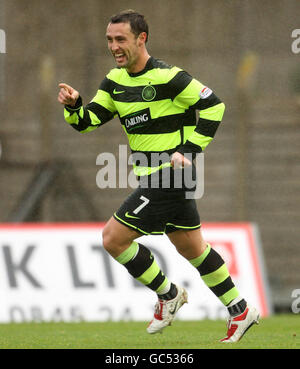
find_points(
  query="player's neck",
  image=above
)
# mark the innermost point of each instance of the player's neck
(140, 64)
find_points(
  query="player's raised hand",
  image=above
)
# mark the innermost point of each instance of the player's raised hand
(67, 95)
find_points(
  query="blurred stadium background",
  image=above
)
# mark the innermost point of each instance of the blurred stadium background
(242, 49)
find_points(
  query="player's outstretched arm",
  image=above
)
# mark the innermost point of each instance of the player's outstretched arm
(67, 95)
(84, 118)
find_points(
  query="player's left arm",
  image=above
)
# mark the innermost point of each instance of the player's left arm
(211, 109)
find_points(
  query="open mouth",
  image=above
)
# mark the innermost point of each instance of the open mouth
(119, 57)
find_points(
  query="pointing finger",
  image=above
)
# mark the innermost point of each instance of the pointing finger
(66, 87)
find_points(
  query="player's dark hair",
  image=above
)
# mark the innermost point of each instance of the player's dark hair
(137, 21)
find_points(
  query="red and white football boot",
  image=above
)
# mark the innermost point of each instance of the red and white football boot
(165, 311)
(238, 325)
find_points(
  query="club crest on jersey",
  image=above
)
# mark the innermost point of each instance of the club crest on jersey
(148, 93)
(205, 92)
(136, 120)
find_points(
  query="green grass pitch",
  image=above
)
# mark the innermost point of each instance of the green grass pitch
(276, 332)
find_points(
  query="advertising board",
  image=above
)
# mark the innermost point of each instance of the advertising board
(61, 272)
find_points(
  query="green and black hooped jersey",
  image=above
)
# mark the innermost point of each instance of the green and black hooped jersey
(156, 108)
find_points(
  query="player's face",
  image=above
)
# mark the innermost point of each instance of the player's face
(123, 44)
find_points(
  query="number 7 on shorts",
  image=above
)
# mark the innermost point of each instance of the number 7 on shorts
(140, 207)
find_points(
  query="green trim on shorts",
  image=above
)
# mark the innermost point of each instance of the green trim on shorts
(134, 227)
(184, 227)
(156, 232)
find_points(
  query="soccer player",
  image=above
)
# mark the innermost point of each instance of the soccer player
(156, 104)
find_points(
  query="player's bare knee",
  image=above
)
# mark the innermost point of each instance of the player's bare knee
(108, 239)
(112, 242)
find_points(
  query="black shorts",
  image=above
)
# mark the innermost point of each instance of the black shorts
(157, 211)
